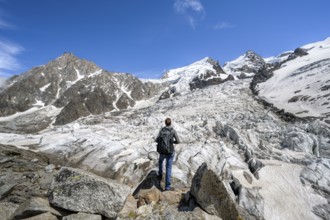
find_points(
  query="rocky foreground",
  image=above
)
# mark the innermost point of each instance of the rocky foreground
(33, 189)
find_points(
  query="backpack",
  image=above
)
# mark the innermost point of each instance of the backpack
(165, 141)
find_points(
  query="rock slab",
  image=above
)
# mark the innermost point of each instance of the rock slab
(211, 194)
(32, 207)
(80, 191)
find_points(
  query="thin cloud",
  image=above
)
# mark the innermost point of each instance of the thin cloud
(223, 25)
(4, 24)
(8, 51)
(182, 6)
(193, 10)
(8, 60)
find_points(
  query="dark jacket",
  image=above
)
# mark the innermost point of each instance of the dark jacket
(176, 139)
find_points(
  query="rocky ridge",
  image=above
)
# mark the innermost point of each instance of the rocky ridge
(76, 87)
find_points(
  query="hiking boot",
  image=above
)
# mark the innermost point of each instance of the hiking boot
(170, 189)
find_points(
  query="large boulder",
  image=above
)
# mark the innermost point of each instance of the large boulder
(32, 207)
(213, 195)
(81, 191)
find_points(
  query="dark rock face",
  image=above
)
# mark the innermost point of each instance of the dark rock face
(323, 211)
(79, 86)
(299, 52)
(80, 191)
(215, 196)
(21, 178)
(71, 112)
(265, 73)
(255, 165)
(202, 83)
(209, 77)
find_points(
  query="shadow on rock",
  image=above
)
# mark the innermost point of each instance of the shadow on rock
(148, 182)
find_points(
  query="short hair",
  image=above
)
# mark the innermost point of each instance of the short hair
(167, 121)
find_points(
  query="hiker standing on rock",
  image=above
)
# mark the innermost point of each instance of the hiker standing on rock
(166, 138)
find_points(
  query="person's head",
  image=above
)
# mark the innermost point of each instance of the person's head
(168, 122)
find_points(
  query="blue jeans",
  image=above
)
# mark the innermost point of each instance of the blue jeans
(169, 161)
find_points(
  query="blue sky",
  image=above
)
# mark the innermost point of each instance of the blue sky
(148, 37)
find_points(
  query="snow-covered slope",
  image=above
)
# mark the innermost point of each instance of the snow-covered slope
(205, 70)
(301, 86)
(245, 66)
(278, 59)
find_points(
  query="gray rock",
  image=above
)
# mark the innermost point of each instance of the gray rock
(81, 191)
(323, 211)
(251, 201)
(255, 165)
(43, 216)
(35, 160)
(299, 141)
(82, 216)
(6, 189)
(7, 209)
(248, 177)
(32, 207)
(226, 130)
(214, 195)
(153, 155)
(248, 154)
(317, 174)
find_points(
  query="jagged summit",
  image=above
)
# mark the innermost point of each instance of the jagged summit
(76, 85)
(245, 66)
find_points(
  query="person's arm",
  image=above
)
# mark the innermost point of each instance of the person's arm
(157, 138)
(176, 137)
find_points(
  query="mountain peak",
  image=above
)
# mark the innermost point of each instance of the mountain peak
(67, 57)
(246, 65)
(206, 60)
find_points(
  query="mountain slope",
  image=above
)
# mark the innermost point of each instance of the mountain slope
(301, 84)
(199, 74)
(76, 86)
